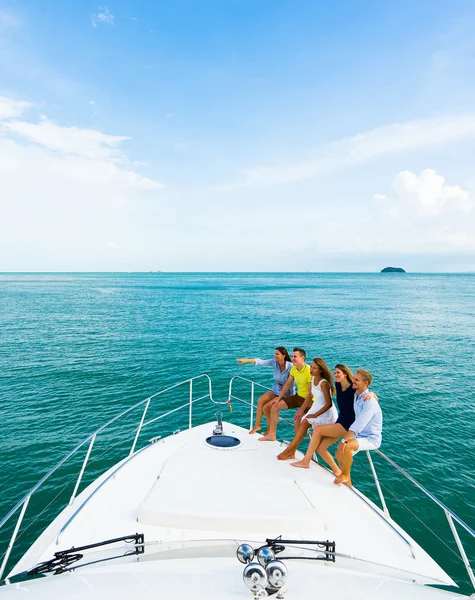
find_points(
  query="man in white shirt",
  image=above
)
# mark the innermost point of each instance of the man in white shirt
(365, 433)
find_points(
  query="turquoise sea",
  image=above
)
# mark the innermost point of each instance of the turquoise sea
(78, 348)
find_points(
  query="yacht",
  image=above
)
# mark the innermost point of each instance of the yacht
(208, 512)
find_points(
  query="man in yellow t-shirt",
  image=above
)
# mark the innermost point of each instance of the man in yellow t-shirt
(300, 373)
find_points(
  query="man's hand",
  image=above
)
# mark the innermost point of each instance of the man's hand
(371, 396)
(298, 415)
(275, 401)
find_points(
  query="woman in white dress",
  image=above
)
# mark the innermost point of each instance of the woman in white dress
(322, 411)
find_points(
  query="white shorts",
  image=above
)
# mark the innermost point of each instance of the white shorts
(364, 444)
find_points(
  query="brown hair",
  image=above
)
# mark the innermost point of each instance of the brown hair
(346, 370)
(301, 351)
(366, 375)
(325, 372)
(283, 351)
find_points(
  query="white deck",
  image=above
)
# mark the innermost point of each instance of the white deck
(180, 489)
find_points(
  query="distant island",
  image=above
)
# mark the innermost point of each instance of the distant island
(392, 270)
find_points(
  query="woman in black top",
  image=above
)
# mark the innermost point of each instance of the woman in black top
(345, 396)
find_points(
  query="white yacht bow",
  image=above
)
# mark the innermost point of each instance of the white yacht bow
(170, 516)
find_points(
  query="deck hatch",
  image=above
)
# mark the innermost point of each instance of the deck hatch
(223, 441)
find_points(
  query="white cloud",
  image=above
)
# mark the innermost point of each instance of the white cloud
(64, 192)
(84, 156)
(429, 192)
(10, 108)
(69, 140)
(381, 197)
(103, 16)
(363, 148)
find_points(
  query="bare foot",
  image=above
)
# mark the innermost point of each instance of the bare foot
(337, 473)
(267, 438)
(255, 429)
(342, 479)
(301, 464)
(286, 455)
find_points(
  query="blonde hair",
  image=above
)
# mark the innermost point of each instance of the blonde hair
(346, 370)
(366, 375)
(325, 372)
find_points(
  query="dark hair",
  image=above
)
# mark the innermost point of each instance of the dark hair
(346, 370)
(325, 373)
(301, 351)
(283, 351)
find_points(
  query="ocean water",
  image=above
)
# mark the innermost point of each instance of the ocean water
(76, 349)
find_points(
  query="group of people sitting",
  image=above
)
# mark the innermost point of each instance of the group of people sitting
(310, 389)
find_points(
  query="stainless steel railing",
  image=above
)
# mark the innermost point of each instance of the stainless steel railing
(450, 515)
(23, 503)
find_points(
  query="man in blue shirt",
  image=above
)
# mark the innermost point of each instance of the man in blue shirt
(365, 433)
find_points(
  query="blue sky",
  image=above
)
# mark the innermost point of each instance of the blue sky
(237, 135)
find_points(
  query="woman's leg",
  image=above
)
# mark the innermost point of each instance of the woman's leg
(263, 400)
(289, 452)
(325, 454)
(320, 431)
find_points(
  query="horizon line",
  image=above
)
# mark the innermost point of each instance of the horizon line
(232, 272)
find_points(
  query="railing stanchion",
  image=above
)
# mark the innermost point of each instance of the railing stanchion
(13, 538)
(82, 469)
(461, 548)
(139, 427)
(378, 487)
(191, 405)
(252, 406)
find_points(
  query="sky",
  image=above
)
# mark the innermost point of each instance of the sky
(237, 135)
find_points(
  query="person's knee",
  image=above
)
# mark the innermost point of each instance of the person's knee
(316, 432)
